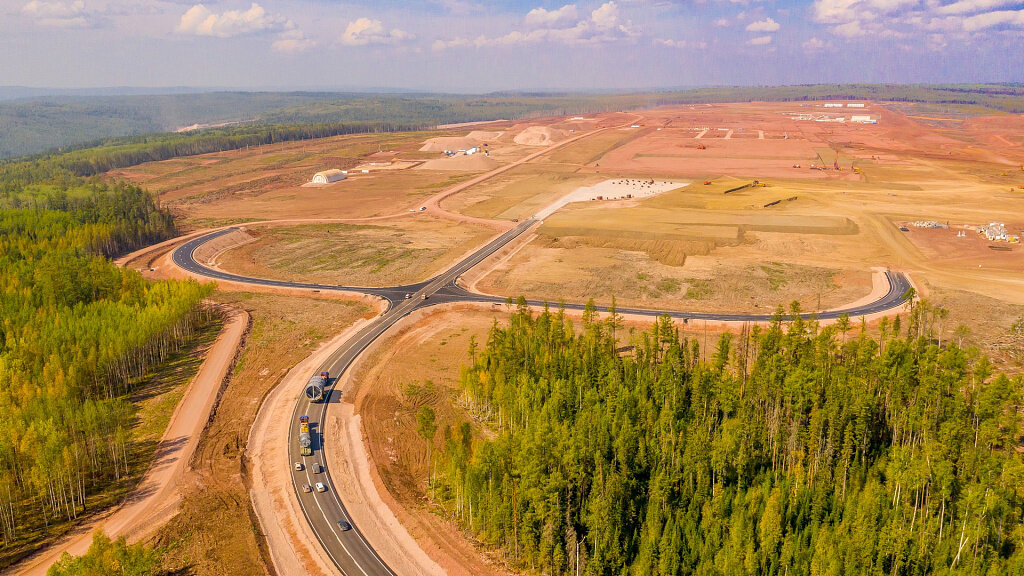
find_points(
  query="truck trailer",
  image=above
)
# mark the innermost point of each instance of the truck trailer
(316, 386)
(305, 442)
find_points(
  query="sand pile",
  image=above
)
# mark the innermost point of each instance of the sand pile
(474, 138)
(539, 136)
(465, 163)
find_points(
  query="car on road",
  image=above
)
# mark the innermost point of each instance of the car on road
(320, 487)
(299, 466)
(318, 468)
(345, 526)
(423, 297)
(407, 296)
(422, 208)
(307, 488)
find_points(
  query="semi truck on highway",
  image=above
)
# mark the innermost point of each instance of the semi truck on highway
(305, 442)
(316, 386)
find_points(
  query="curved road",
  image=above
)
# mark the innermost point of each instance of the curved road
(349, 550)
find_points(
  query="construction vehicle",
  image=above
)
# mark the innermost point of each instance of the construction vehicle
(707, 182)
(701, 147)
(316, 386)
(305, 442)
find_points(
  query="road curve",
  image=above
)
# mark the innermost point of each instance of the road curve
(349, 550)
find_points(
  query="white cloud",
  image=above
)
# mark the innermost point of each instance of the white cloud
(670, 43)
(292, 41)
(60, 14)
(851, 29)
(766, 25)
(201, 21)
(836, 11)
(760, 41)
(815, 44)
(722, 22)
(549, 18)
(969, 6)
(1014, 18)
(364, 31)
(602, 26)
(607, 16)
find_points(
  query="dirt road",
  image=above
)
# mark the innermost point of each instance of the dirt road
(156, 497)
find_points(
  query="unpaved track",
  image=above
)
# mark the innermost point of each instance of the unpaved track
(156, 498)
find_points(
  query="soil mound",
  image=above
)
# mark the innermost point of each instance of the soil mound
(539, 136)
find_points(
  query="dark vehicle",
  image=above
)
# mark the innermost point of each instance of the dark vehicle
(345, 526)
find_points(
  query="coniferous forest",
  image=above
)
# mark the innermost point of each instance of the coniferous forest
(77, 334)
(792, 449)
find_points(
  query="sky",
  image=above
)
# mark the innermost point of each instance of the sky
(470, 46)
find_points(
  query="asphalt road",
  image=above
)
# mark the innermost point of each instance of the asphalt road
(349, 550)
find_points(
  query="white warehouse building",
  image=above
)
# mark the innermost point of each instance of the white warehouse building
(328, 176)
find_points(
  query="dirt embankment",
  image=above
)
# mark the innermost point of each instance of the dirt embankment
(216, 532)
(411, 366)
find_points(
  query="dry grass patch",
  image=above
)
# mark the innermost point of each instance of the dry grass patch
(355, 255)
(550, 271)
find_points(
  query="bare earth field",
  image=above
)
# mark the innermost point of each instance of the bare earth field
(385, 254)
(266, 183)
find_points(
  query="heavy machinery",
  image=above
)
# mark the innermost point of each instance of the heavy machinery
(707, 182)
(701, 147)
(305, 442)
(316, 386)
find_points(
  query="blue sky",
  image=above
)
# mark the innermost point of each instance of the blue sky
(472, 46)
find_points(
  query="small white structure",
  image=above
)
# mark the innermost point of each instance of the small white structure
(328, 176)
(855, 105)
(833, 104)
(863, 119)
(472, 151)
(995, 231)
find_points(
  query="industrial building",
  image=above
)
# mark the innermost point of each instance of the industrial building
(328, 176)
(863, 119)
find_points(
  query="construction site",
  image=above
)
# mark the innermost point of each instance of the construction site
(724, 208)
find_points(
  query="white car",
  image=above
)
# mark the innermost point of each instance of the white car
(298, 466)
(320, 487)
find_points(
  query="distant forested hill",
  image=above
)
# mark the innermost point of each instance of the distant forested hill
(36, 124)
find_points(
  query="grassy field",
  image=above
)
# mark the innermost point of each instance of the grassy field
(214, 533)
(355, 255)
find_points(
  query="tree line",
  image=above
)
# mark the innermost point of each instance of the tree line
(792, 449)
(77, 334)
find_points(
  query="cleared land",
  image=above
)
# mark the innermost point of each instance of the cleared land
(809, 235)
(214, 533)
(355, 255)
(266, 183)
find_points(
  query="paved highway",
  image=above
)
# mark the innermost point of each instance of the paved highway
(349, 550)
